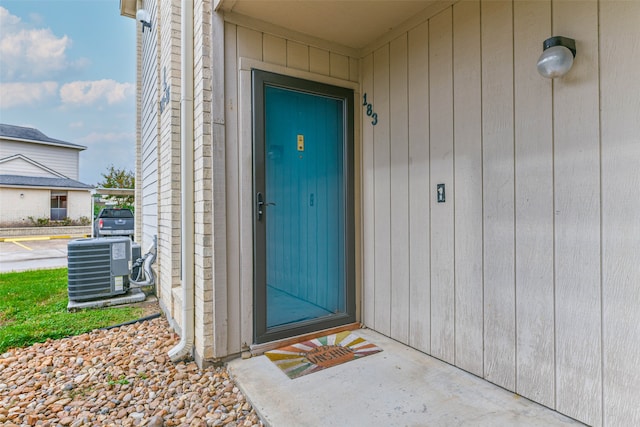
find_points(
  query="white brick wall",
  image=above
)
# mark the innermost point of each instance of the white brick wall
(202, 169)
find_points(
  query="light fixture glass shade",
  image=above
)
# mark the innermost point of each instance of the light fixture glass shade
(555, 61)
(143, 16)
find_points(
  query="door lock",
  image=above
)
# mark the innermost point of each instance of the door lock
(261, 204)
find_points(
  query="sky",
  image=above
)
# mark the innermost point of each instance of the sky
(68, 69)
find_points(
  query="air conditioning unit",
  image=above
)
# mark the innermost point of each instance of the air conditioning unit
(98, 267)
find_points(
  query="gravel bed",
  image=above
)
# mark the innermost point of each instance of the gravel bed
(121, 376)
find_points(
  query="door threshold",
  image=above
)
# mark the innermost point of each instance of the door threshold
(258, 349)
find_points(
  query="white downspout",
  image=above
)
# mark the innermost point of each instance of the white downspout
(185, 346)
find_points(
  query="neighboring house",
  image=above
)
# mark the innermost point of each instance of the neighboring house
(402, 165)
(39, 178)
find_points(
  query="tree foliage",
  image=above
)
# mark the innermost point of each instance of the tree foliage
(119, 178)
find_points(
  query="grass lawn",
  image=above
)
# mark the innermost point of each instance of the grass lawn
(33, 307)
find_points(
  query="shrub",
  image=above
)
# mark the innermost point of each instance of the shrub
(40, 222)
(46, 222)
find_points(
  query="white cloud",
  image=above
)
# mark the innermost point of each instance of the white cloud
(7, 20)
(76, 125)
(84, 93)
(29, 53)
(25, 94)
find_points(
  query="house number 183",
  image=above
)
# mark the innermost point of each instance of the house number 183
(370, 113)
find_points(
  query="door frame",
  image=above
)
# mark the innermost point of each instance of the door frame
(259, 80)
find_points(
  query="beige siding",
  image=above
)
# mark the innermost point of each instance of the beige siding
(498, 193)
(419, 212)
(441, 172)
(577, 200)
(60, 159)
(218, 244)
(379, 99)
(368, 254)
(533, 208)
(234, 270)
(399, 157)
(22, 167)
(620, 209)
(467, 122)
(531, 271)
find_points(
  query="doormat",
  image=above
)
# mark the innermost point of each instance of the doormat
(320, 353)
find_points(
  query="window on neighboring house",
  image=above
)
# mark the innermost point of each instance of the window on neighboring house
(58, 205)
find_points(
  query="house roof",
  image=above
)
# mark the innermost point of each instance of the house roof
(36, 181)
(25, 134)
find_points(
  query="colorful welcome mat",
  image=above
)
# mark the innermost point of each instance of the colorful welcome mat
(320, 353)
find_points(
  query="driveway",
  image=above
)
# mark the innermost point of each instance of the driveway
(22, 254)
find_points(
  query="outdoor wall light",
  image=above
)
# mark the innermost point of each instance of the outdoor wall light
(22, 195)
(143, 16)
(557, 57)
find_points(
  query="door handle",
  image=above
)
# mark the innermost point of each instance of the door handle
(260, 204)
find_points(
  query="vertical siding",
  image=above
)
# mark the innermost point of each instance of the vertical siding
(467, 105)
(382, 191)
(441, 169)
(527, 275)
(249, 45)
(319, 61)
(419, 213)
(218, 197)
(620, 202)
(399, 105)
(368, 200)
(232, 187)
(533, 207)
(577, 218)
(274, 49)
(498, 193)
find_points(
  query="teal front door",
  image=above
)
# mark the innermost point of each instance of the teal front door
(303, 224)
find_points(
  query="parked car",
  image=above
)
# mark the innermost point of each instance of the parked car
(114, 222)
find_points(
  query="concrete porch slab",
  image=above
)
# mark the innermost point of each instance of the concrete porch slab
(397, 387)
(132, 296)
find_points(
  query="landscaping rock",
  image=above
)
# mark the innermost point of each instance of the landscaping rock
(116, 377)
